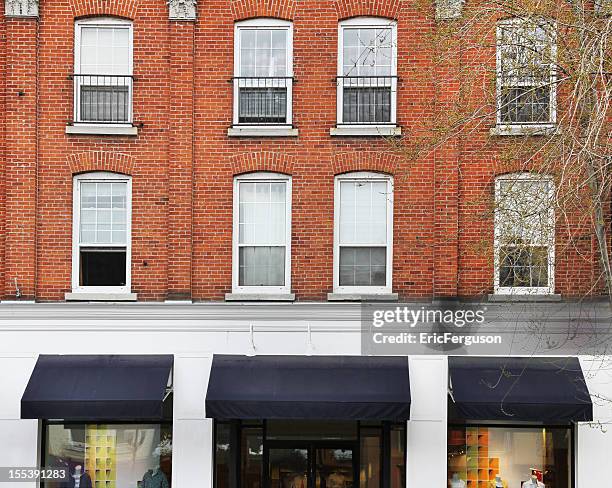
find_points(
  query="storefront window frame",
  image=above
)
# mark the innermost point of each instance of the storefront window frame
(236, 442)
(45, 423)
(524, 425)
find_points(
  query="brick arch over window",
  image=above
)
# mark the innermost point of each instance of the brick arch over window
(380, 162)
(371, 8)
(262, 161)
(101, 161)
(115, 8)
(248, 9)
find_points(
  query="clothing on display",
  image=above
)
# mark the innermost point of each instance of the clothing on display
(457, 482)
(79, 479)
(154, 478)
(533, 483)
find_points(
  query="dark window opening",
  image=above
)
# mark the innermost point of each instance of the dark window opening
(366, 105)
(525, 105)
(102, 267)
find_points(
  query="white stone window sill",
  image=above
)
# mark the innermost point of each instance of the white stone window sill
(83, 296)
(262, 131)
(366, 130)
(102, 130)
(259, 297)
(524, 130)
(362, 297)
(524, 297)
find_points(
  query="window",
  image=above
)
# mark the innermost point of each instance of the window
(363, 233)
(525, 72)
(263, 68)
(308, 453)
(109, 455)
(102, 233)
(103, 71)
(262, 233)
(524, 234)
(517, 456)
(367, 71)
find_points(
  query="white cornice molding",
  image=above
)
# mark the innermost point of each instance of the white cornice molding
(21, 8)
(182, 9)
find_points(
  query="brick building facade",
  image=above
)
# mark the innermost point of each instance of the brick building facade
(182, 159)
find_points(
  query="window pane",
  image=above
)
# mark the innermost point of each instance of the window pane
(512, 454)
(106, 267)
(363, 212)
(135, 455)
(252, 457)
(398, 457)
(105, 50)
(223, 457)
(367, 52)
(262, 213)
(523, 266)
(370, 453)
(263, 52)
(525, 105)
(366, 105)
(103, 213)
(261, 266)
(363, 266)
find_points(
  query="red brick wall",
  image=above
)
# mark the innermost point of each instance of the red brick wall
(182, 162)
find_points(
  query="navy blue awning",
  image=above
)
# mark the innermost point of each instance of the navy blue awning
(538, 389)
(97, 388)
(309, 387)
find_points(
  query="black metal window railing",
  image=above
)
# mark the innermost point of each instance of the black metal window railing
(263, 100)
(103, 99)
(367, 99)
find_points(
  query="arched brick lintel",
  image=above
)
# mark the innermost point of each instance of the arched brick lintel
(380, 162)
(262, 161)
(115, 8)
(370, 8)
(101, 161)
(278, 9)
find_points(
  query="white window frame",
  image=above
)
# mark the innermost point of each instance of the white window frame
(264, 23)
(524, 290)
(366, 22)
(370, 290)
(100, 177)
(102, 22)
(257, 178)
(511, 127)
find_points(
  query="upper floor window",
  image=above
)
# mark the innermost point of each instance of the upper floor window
(363, 233)
(524, 234)
(103, 71)
(262, 233)
(367, 72)
(526, 91)
(263, 72)
(101, 233)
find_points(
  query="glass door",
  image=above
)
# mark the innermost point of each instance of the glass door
(288, 467)
(334, 467)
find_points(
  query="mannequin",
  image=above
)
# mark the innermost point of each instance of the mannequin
(533, 482)
(155, 478)
(457, 482)
(79, 479)
(498, 482)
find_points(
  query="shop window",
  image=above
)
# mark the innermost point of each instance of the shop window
(509, 457)
(525, 72)
(103, 71)
(101, 236)
(109, 455)
(262, 233)
(524, 234)
(309, 454)
(367, 71)
(363, 233)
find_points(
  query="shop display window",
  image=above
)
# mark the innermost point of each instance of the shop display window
(309, 454)
(509, 457)
(109, 455)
